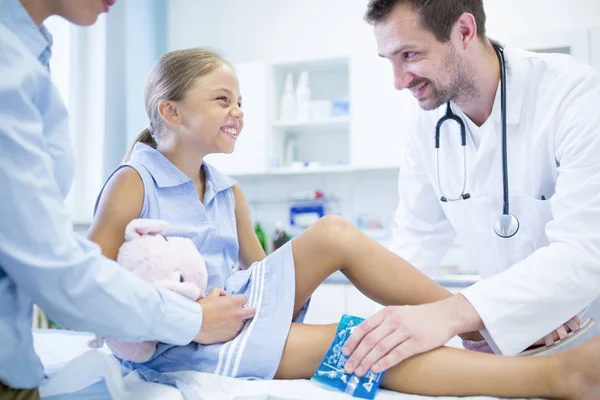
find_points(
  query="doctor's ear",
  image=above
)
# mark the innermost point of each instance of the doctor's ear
(169, 112)
(465, 29)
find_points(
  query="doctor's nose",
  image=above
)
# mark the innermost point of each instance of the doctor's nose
(402, 79)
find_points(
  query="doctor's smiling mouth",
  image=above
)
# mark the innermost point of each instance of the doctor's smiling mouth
(418, 88)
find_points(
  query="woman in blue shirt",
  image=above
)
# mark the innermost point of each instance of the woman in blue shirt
(194, 106)
(41, 260)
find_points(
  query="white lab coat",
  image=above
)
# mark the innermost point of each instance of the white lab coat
(550, 270)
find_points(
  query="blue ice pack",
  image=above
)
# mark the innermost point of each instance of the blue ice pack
(331, 371)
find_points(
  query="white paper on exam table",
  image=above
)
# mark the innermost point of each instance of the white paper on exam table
(56, 348)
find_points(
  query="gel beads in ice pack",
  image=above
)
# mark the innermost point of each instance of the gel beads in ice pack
(331, 371)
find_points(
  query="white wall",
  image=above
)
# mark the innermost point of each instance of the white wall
(269, 30)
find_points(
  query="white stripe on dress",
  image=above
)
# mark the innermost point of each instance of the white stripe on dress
(247, 335)
(254, 303)
(230, 346)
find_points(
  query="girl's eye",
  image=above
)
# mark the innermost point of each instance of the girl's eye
(223, 98)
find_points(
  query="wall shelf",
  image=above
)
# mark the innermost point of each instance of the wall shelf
(322, 170)
(329, 123)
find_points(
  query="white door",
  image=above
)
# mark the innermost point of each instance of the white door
(250, 155)
(376, 113)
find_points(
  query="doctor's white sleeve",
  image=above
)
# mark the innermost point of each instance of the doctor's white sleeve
(537, 295)
(422, 234)
(60, 271)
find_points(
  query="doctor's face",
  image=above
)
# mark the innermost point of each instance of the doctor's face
(433, 71)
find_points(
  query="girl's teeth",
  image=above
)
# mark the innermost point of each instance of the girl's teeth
(230, 131)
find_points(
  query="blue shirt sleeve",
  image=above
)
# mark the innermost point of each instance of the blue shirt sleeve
(63, 273)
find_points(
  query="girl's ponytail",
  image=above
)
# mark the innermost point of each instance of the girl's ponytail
(144, 137)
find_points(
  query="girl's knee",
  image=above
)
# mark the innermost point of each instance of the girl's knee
(333, 226)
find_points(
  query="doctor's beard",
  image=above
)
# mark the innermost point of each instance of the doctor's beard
(461, 88)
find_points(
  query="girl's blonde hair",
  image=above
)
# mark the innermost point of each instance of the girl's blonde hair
(170, 79)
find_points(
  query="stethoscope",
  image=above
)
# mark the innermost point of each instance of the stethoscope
(507, 224)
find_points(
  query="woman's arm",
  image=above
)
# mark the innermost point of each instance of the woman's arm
(250, 248)
(120, 203)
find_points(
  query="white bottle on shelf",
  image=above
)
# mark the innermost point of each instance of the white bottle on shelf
(287, 111)
(303, 98)
(291, 150)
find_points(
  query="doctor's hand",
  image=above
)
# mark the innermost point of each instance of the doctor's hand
(395, 334)
(222, 316)
(399, 332)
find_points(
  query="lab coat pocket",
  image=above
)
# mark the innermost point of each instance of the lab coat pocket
(533, 214)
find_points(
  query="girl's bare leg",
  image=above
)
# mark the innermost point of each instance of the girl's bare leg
(333, 244)
(574, 374)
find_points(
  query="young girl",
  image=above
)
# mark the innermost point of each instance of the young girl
(194, 105)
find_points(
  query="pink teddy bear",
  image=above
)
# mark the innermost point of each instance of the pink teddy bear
(171, 263)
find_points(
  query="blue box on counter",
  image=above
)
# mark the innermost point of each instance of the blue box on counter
(340, 108)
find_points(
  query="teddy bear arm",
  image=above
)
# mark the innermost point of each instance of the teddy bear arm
(187, 289)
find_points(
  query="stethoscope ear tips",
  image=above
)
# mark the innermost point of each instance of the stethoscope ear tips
(506, 226)
(466, 196)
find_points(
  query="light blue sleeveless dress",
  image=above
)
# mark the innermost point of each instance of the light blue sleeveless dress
(269, 285)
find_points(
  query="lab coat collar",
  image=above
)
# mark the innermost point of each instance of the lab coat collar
(37, 39)
(165, 174)
(516, 75)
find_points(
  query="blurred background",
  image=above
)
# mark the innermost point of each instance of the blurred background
(322, 118)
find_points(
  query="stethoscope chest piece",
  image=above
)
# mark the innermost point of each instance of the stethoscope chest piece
(506, 226)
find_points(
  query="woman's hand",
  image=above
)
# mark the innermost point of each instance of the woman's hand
(222, 316)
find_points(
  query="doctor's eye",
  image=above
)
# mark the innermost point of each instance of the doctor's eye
(409, 55)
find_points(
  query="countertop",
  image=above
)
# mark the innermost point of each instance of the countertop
(448, 281)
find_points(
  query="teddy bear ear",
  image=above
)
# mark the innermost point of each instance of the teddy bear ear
(140, 227)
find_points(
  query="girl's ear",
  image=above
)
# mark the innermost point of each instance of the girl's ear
(169, 112)
(140, 227)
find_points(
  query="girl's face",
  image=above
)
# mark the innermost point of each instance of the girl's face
(211, 117)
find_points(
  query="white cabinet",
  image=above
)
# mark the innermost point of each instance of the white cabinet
(358, 304)
(330, 301)
(315, 132)
(327, 304)
(575, 43)
(595, 47)
(377, 108)
(250, 155)
(354, 122)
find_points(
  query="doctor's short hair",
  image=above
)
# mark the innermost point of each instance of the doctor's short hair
(170, 79)
(437, 16)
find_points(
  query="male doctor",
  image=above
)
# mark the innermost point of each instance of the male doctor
(536, 277)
